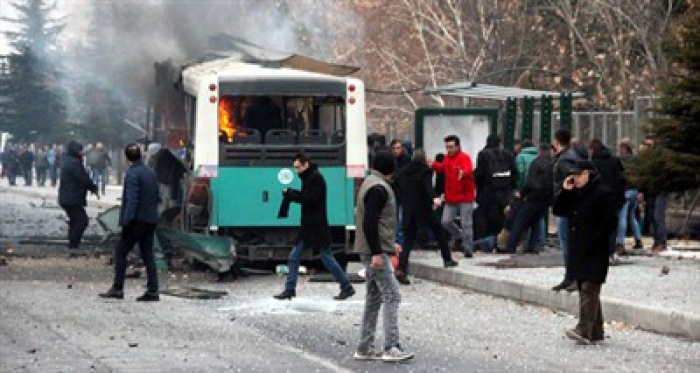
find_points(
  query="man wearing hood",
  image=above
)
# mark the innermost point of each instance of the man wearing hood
(315, 232)
(523, 161)
(591, 209)
(74, 185)
(495, 177)
(565, 158)
(414, 188)
(611, 176)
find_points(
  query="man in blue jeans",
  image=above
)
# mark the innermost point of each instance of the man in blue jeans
(314, 232)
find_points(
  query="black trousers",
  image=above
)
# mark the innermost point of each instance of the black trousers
(411, 234)
(78, 222)
(590, 320)
(41, 175)
(528, 217)
(141, 233)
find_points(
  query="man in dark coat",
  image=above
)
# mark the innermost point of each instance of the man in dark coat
(138, 218)
(495, 177)
(26, 158)
(314, 232)
(536, 194)
(72, 192)
(611, 176)
(414, 187)
(591, 210)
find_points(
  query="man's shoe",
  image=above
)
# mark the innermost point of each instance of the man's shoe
(372, 354)
(148, 297)
(563, 285)
(450, 263)
(396, 354)
(576, 336)
(468, 254)
(286, 294)
(345, 294)
(112, 294)
(402, 278)
(638, 244)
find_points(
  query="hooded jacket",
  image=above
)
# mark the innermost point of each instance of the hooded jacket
(564, 161)
(456, 190)
(538, 186)
(611, 173)
(314, 232)
(74, 180)
(414, 187)
(523, 162)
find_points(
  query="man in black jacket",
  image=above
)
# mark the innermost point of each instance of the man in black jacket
(611, 176)
(495, 177)
(138, 218)
(592, 217)
(414, 187)
(74, 185)
(315, 232)
(536, 197)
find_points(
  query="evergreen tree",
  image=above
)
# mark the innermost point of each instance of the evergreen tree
(33, 85)
(674, 164)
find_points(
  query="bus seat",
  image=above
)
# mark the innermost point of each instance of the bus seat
(280, 137)
(338, 137)
(313, 137)
(246, 136)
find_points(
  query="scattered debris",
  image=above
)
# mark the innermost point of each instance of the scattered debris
(193, 292)
(70, 286)
(32, 351)
(133, 344)
(3, 262)
(664, 271)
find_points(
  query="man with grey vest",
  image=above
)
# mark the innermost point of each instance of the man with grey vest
(375, 241)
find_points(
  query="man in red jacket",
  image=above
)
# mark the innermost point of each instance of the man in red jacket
(460, 192)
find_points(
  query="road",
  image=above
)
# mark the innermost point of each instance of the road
(52, 320)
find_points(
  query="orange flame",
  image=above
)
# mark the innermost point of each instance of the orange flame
(230, 112)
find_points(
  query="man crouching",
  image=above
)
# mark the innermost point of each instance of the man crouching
(375, 241)
(592, 214)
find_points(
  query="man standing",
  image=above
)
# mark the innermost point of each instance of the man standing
(460, 193)
(75, 183)
(375, 220)
(99, 167)
(414, 187)
(592, 218)
(138, 218)
(610, 169)
(566, 157)
(495, 178)
(399, 152)
(52, 159)
(315, 232)
(41, 165)
(26, 158)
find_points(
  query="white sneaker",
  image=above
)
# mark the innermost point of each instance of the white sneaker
(396, 354)
(372, 354)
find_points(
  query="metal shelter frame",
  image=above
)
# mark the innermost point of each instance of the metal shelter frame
(511, 95)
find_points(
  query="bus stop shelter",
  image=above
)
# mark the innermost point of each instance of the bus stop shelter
(511, 95)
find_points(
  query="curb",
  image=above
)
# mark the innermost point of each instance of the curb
(649, 318)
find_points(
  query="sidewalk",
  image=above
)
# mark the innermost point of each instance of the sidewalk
(636, 292)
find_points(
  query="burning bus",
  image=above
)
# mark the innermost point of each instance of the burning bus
(244, 118)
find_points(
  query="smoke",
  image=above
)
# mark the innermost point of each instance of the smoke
(114, 44)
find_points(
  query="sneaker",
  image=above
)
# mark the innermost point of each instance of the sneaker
(112, 294)
(149, 297)
(345, 294)
(450, 263)
(576, 336)
(396, 354)
(372, 354)
(402, 278)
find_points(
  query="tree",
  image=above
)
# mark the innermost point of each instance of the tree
(33, 83)
(673, 166)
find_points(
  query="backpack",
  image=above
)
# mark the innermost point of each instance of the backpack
(500, 169)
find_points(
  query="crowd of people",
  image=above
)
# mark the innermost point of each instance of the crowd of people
(39, 165)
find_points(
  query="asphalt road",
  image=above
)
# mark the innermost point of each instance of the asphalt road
(52, 320)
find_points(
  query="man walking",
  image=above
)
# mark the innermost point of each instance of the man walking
(592, 218)
(375, 220)
(75, 183)
(138, 218)
(566, 157)
(460, 193)
(315, 232)
(495, 178)
(414, 186)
